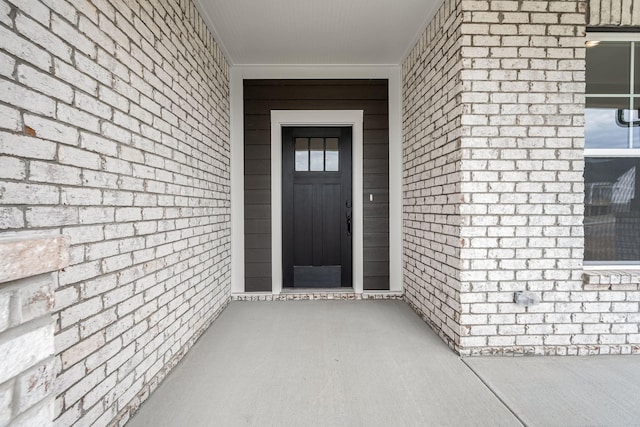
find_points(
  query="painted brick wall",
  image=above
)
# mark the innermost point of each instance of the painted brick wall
(519, 187)
(27, 346)
(432, 113)
(614, 12)
(523, 79)
(114, 121)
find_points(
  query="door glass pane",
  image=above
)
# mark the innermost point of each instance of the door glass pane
(302, 154)
(331, 155)
(607, 123)
(608, 67)
(317, 154)
(612, 209)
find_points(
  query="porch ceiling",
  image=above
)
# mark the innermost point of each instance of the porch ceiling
(287, 32)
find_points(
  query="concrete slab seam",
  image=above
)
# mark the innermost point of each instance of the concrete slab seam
(494, 393)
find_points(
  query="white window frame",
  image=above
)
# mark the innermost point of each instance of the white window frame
(619, 152)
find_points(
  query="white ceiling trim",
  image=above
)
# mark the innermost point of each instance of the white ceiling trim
(236, 25)
(316, 71)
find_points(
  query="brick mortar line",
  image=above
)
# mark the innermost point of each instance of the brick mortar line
(197, 245)
(98, 224)
(225, 264)
(220, 88)
(224, 261)
(222, 264)
(195, 168)
(60, 229)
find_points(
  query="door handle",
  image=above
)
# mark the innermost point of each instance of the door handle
(349, 224)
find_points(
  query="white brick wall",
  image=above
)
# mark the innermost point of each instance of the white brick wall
(431, 188)
(27, 347)
(612, 13)
(522, 172)
(520, 199)
(114, 131)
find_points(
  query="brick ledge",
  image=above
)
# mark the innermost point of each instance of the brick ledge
(316, 296)
(621, 280)
(30, 254)
(551, 350)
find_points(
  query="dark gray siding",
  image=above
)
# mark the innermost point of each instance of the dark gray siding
(262, 96)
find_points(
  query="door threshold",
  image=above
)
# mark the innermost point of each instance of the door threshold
(300, 294)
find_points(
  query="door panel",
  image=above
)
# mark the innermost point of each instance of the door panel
(302, 226)
(331, 230)
(316, 202)
(316, 277)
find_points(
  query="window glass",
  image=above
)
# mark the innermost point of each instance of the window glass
(607, 123)
(331, 155)
(636, 84)
(636, 123)
(317, 154)
(612, 209)
(302, 154)
(612, 184)
(608, 70)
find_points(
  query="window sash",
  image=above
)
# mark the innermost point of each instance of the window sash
(621, 152)
(631, 95)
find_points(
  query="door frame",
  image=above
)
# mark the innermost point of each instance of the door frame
(317, 118)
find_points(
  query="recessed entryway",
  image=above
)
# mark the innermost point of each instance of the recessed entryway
(257, 197)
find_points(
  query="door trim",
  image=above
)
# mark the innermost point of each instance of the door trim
(316, 118)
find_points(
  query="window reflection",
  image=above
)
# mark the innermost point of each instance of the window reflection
(612, 209)
(302, 154)
(609, 67)
(317, 154)
(331, 155)
(607, 123)
(636, 124)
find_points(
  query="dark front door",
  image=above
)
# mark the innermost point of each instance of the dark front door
(316, 207)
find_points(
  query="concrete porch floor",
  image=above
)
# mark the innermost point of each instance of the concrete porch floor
(375, 363)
